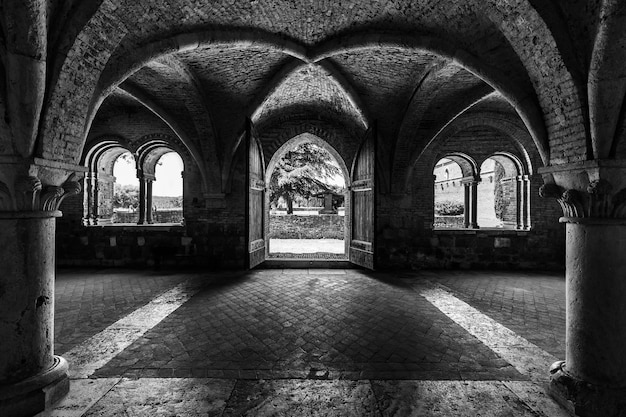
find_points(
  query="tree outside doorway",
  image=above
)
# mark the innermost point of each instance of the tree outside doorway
(306, 198)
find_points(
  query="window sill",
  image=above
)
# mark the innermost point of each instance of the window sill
(489, 231)
(131, 226)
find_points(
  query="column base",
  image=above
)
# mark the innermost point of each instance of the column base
(583, 399)
(37, 393)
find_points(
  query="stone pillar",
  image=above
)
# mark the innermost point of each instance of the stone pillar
(474, 204)
(467, 205)
(526, 198)
(142, 201)
(591, 381)
(149, 201)
(88, 200)
(31, 376)
(96, 201)
(520, 201)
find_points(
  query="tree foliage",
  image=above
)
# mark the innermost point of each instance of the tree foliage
(303, 172)
(449, 208)
(125, 196)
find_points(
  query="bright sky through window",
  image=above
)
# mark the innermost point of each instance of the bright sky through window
(168, 178)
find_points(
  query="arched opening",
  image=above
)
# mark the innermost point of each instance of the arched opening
(167, 189)
(110, 185)
(125, 198)
(306, 201)
(500, 193)
(449, 196)
(454, 182)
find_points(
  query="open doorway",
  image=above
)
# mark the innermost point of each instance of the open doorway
(306, 201)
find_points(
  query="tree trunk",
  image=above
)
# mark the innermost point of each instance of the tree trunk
(289, 204)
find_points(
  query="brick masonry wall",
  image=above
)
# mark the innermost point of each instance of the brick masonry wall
(405, 237)
(213, 235)
(323, 226)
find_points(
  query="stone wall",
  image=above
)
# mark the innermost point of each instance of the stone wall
(323, 226)
(213, 235)
(158, 216)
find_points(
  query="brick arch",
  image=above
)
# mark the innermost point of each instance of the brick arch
(105, 77)
(508, 126)
(56, 130)
(512, 164)
(524, 102)
(469, 167)
(305, 138)
(340, 137)
(102, 145)
(562, 97)
(148, 143)
(411, 135)
(210, 177)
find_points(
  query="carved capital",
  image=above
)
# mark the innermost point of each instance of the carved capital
(29, 194)
(597, 201)
(27, 191)
(588, 189)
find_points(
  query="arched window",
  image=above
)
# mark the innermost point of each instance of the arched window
(122, 188)
(449, 201)
(503, 193)
(159, 202)
(125, 191)
(110, 183)
(167, 190)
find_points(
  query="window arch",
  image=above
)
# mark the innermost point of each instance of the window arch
(503, 193)
(113, 196)
(102, 162)
(496, 195)
(455, 190)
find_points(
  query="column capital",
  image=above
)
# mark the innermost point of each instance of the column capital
(589, 189)
(32, 185)
(470, 181)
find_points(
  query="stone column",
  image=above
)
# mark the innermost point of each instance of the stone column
(591, 381)
(142, 201)
(467, 205)
(88, 201)
(149, 201)
(526, 199)
(31, 376)
(520, 197)
(96, 201)
(474, 204)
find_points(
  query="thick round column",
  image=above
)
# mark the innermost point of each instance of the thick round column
(593, 376)
(596, 301)
(31, 377)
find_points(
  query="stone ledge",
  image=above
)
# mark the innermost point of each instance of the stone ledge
(483, 231)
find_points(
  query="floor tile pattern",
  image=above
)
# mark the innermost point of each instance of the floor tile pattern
(315, 343)
(353, 326)
(529, 303)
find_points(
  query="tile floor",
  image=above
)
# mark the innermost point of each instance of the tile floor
(309, 342)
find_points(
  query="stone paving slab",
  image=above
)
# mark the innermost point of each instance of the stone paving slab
(302, 398)
(164, 397)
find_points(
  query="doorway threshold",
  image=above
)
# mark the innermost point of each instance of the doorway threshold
(300, 263)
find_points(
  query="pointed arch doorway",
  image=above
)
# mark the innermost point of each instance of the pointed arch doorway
(358, 191)
(316, 226)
